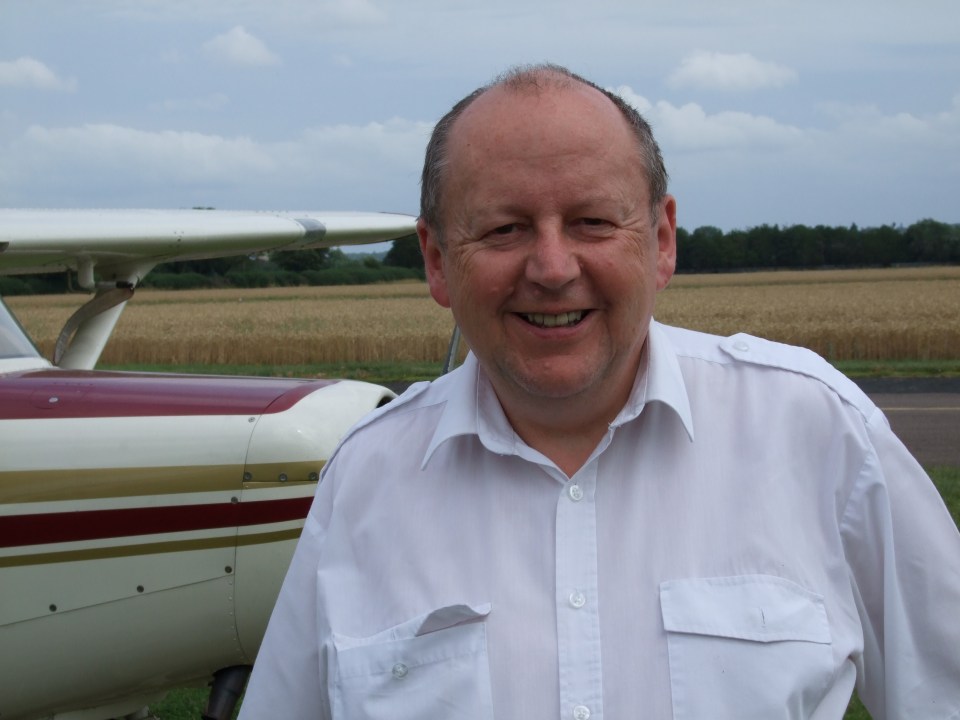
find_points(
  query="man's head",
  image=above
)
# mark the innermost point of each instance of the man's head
(533, 78)
(543, 232)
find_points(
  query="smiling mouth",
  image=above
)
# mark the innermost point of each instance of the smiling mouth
(567, 319)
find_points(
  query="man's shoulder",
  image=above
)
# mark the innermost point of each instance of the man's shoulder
(406, 408)
(769, 359)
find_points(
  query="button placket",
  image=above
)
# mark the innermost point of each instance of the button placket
(578, 622)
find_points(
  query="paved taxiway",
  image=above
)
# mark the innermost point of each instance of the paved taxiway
(924, 413)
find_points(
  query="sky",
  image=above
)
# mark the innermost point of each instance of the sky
(776, 111)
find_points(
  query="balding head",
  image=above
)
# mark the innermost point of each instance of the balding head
(532, 79)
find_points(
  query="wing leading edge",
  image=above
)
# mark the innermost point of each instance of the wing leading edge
(120, 242)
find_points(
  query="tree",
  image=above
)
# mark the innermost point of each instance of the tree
(708, 241)
(932, 241)
(883, 245)
(300, 260)
(405, 252)
(801, 246)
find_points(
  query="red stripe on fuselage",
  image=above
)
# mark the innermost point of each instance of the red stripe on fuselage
(48, 394)
(43, 528)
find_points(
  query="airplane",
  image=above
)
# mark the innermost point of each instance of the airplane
(146, 519)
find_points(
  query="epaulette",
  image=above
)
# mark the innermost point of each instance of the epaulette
(791, 358)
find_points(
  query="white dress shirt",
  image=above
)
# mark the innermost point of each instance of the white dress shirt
(748, 540)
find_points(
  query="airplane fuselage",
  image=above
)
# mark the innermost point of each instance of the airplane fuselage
(157, 507)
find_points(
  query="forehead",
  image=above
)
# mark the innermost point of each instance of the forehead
(548, 149)
(535, 121)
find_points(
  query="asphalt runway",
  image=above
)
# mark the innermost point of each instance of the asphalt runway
(924, 413)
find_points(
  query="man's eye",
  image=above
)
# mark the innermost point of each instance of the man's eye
(504, 229)
(593, 222)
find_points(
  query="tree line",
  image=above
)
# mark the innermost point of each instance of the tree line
(709, 249)
(706, 249)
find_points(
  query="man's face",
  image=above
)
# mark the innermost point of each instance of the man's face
(551, 256)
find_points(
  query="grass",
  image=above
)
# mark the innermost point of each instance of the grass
(183, 704)
(375, 372)
(947, 480)
(187, 704)
(384, 371)
(898, 368)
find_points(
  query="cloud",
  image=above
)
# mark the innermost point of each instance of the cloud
(358, 150)
(313, 14)
(734, 72)
(28, 72)
(355, 11)
(855, 163)
(238, 47)
(209, 103)
(167, 156)
(689, 127)
(374, 166)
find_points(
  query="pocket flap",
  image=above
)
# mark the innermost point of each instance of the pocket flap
(452, 615)
(763, 608)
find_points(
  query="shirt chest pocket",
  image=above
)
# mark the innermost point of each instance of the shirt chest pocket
(430, 667)
(749, 646)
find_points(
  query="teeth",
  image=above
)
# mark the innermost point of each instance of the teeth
(561, 320)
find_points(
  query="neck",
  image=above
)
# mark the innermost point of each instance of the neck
(568, 429)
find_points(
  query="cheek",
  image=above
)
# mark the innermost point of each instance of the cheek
(481, 279)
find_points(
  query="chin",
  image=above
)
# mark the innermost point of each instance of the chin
(555, 387)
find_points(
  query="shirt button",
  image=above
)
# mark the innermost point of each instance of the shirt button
(399, 671)
(581, 712)
(741, 346)
(575, 492)
(578, 599)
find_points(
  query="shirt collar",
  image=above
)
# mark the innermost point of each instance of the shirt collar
(459, 415)
(472, 408)
(662, 382)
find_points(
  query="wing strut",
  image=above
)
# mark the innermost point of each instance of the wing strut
(92, 323)
(452, 351)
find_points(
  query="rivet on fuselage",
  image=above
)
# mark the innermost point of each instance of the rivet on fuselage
(139, 588)
(53, 608)
(247, 476)
(283, 477)
(228, 569)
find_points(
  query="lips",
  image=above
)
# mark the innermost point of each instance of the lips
(544, 320)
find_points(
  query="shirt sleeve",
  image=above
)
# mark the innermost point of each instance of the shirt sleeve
(286, 680)
(903, 550)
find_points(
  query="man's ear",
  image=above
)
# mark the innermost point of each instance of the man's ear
(666, 241)
(433, 262)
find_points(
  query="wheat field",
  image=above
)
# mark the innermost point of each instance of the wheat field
(888, 314)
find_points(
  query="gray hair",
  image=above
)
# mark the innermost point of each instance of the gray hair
(532, 78)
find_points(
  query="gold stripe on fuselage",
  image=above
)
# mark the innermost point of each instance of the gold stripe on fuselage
(27, 486)
(149, 548)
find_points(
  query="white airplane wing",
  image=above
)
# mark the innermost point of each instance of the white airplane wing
(113, 250)
(120, 243)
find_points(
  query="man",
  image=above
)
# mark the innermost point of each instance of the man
(596, 515)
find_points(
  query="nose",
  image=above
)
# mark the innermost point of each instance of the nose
(553, 261)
